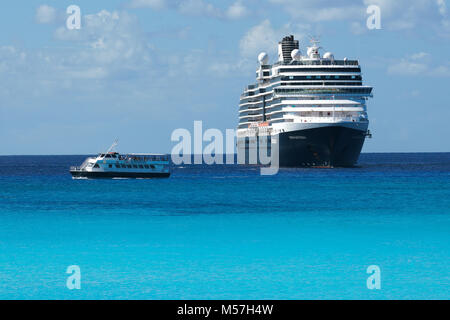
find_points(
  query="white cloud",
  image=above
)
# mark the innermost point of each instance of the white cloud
(420, 63)
(419, 56)
(395, 14)
(113, 39)
(264, 37)
(194, 8)
(409, 14)
(259, 38)
(12, 60)
(153, 4)
(236, 11)
(110, 46)
(441, 71)
(407, 68)
(109, 51)
(45, 14)
(88, 73)
(442, 7)
(357, 28)
(198, 8)
(334, 13)
(321, 10)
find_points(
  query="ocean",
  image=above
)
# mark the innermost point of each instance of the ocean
(226, 232)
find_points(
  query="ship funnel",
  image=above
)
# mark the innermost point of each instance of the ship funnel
(285, 48)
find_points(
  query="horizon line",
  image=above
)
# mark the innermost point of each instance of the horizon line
(193, 154)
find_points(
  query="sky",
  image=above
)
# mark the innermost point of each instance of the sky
(137, 70)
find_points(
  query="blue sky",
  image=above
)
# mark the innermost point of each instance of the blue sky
(138, 69)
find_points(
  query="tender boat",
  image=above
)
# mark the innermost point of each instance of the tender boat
(111, 164)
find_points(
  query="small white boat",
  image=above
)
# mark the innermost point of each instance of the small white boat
(111, 164)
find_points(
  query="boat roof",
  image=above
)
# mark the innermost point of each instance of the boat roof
(145, 154)
(136, 154)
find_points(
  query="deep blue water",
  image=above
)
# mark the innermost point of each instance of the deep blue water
(225, 232)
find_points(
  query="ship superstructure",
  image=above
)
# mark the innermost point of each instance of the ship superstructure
(312, 106)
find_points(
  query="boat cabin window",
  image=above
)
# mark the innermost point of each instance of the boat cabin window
(146, 166)
(117, 165)
(96, 165)
(128, 165)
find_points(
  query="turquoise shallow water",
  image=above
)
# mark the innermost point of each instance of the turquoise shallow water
(225, 232)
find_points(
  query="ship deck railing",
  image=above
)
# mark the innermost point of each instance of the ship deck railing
(325, 119)
(319, 62)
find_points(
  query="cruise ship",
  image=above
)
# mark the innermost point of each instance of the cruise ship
(112, 164)
(311, 107)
